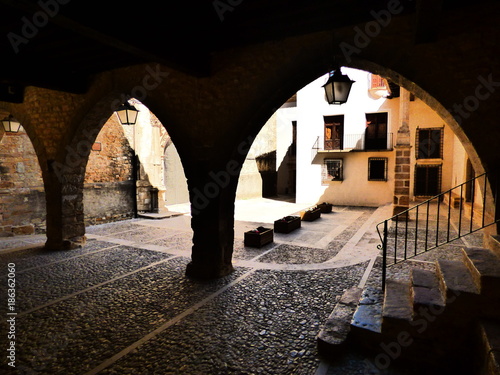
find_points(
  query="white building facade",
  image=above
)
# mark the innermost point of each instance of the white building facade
(345, 154)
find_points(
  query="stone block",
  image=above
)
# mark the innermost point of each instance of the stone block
(23, 230)
(404, 200)
(402, 160)
(402, 190)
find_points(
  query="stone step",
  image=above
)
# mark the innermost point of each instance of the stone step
(492, 242)
(484, 265)
(333, 334)
(398, 304)
(489, 356)
(428, 288)
(368, 315)
(457, 277)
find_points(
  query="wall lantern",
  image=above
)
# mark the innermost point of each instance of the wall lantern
(337, 87)
(11, 125)
(127, 114)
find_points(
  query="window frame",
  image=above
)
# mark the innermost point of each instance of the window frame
(418, 140)
(439, 179)
(324, 172)
(386, 162)
(334, 121)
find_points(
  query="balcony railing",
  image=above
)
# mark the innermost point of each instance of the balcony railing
(359, 142)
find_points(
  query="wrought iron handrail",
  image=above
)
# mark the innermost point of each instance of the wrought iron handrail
(473, 223)
(359, 142)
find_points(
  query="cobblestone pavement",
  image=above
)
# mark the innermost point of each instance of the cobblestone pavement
(122, 304)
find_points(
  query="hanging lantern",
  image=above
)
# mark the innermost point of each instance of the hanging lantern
(127, 114)
(337, 87)
(11, 125)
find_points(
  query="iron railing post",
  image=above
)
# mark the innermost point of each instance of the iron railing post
(384, 257)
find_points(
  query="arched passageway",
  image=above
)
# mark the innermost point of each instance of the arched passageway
(214, 118)
(22, 197)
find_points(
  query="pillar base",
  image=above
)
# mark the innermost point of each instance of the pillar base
(206, 272)
(70, 244)
(398, 209)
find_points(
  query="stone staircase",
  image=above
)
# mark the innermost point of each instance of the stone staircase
(449, 316)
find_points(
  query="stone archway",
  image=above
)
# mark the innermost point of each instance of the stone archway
(214, 118)
(22, 195)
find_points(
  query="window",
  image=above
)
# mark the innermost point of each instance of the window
(427, 180)
(334, 132)
(377, 82)
(377, 169)
(376, 131)
(430, 143)
(332, 170)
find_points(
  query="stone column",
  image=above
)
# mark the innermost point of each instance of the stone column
(403, 149)
(212, 196)
(65, 216)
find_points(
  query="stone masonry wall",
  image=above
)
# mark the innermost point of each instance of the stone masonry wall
(22, 198)
(108, 187)
(111, 157)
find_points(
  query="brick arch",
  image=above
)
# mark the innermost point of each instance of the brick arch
(25, 203)
(66, 172)
(67, 168)
(27, 124)
(64, 180)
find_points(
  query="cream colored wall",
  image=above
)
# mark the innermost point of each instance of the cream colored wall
(250, 181)
(275, 135)
(459, 162)
(424, 117)
(355, 189)
(176, 189)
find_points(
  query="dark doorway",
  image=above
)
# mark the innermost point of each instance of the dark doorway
(376, 131)
(469, 187)
(427, 180)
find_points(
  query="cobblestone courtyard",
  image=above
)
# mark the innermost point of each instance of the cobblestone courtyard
(122, 304)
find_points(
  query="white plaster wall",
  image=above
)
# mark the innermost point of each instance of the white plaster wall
(355, 189)
(176, 189)
(284, 138)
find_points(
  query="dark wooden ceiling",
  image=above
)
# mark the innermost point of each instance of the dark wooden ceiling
(70, 43)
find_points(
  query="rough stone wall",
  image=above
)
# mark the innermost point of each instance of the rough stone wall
(107, 202)
(22, 200)
(108, 186)
(111, 157)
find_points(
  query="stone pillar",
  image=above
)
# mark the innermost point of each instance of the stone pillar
(65, 216)
(403, 156)
(212, 198)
